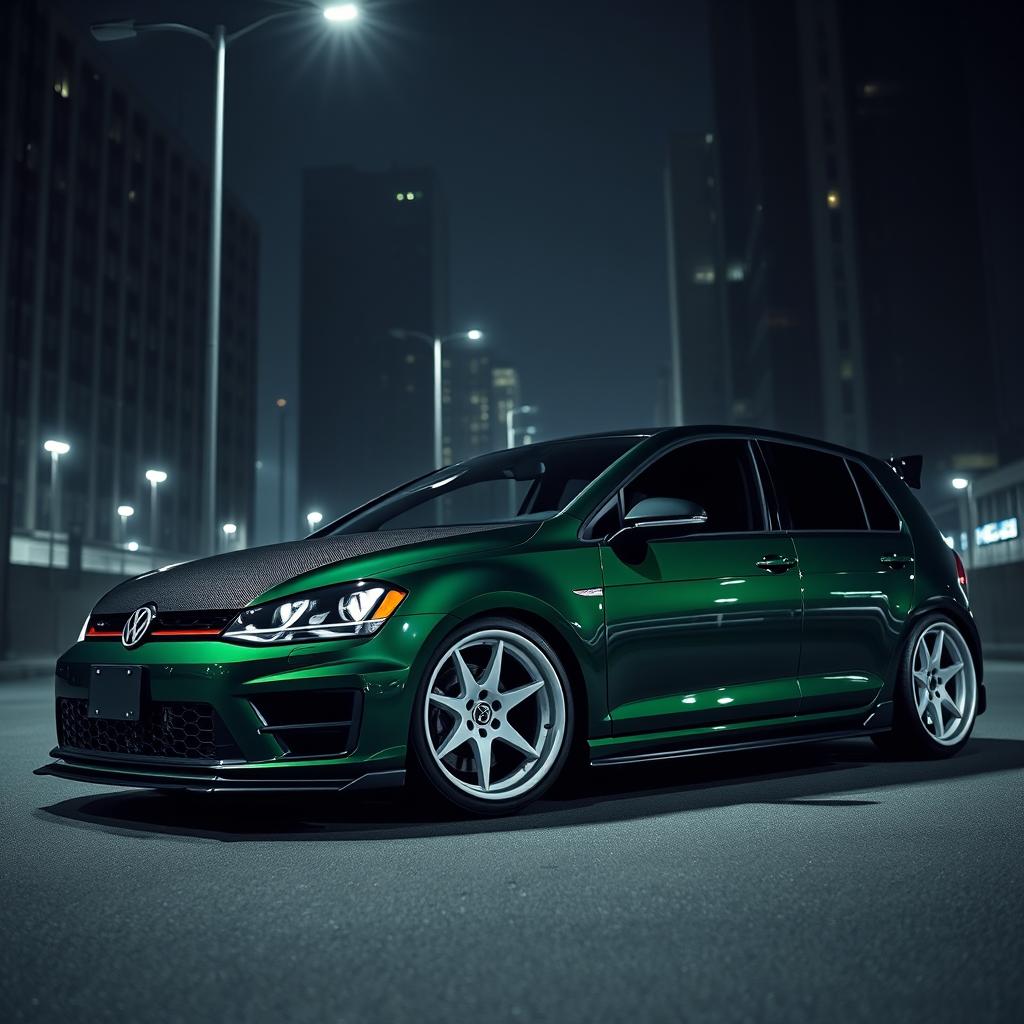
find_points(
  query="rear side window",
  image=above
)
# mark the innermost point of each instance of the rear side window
(717, 475)
(815, 489)
(881, 514)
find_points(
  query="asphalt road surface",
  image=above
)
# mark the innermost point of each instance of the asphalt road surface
(817, 884)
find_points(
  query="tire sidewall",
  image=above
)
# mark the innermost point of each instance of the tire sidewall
(422, 760)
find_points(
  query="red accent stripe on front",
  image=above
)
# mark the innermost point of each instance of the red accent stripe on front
(97, 632)
(185, 632)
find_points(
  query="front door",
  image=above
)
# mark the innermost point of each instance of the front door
(703, 627)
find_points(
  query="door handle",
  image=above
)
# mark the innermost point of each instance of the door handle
(776, 563)
(895, 561)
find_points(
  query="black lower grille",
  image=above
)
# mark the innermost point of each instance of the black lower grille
(311, 723)
(183, 730)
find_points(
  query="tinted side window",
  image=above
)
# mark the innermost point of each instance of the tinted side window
(717, 475)
(881, 514)
(815, 489)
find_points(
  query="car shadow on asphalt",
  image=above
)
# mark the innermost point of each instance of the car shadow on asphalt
(849, 773)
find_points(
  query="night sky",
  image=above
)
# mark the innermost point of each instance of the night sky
(547, 122)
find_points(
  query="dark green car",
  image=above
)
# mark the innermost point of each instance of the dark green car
(613, 598)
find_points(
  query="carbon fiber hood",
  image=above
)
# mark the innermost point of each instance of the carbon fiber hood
(237, 578)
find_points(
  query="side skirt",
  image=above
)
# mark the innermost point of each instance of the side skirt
(731, 748)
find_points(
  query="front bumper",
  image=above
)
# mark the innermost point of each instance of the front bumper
(242, 746)
(211, 779)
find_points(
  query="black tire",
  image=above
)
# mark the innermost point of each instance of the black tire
(910, 737)
(425, 774)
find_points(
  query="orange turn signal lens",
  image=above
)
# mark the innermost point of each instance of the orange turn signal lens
(391, 600)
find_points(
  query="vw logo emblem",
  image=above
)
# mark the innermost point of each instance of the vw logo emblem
(137, 626)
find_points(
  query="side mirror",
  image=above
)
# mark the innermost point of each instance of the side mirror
(665, 512)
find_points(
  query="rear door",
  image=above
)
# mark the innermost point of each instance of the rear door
(857, 573)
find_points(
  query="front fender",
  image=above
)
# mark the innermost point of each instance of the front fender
(538, 586)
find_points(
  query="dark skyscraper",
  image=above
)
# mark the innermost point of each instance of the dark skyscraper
(104, 216)
(848, 199)
(701, 377)
(374, 258)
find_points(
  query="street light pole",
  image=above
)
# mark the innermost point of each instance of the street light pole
(155, 477)
(213, 333)
(438, 446)
(125, 512)
(400, 334)
(282, 404)
(56, 450)
(113, 31)
(510, 421)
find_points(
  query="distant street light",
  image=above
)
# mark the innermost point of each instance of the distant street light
(113, 31)
(56, 450)
(155, 478)
(960, 483)
(133, 545)
(314, 519)
(510, 422)
(229, 530)
(125, 512)
(401, 333)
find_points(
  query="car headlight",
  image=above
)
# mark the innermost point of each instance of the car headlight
(355, 609)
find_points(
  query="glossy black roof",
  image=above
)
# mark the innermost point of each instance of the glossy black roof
(698, 429)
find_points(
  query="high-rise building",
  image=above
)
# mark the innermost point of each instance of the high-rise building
(104, 226)
(701, 378)
(848, 203)
(507, 397)
(374, 262)
(469, 409)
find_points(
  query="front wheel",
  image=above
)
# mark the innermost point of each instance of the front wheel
(493, 718)
(936, 698)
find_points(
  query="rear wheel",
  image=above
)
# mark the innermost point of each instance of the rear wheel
(493, 718)
(936, 697)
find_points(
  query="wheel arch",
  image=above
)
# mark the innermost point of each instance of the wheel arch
(959, 616)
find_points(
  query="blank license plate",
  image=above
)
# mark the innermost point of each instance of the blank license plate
(115, 692)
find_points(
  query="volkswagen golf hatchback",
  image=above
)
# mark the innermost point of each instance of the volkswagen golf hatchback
(615, 598)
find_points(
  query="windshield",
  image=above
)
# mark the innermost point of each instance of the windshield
(522, 484)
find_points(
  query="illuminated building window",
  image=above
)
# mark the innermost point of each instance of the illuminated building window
(704, 275)
(735, 272)
(832, 198)
(62, 88)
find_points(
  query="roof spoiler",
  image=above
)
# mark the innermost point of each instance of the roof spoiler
(908, 468)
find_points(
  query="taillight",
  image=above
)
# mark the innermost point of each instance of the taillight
(961, 572)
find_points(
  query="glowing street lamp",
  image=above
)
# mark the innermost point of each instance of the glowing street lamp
(960, 483)
(155, 478)
(400, 334)
(314, 519)
(56, 450)
(229, 530)
(132, 545)
(341, 12)
(218, 39)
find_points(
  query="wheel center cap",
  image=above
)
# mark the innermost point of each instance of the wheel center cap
(482, 713)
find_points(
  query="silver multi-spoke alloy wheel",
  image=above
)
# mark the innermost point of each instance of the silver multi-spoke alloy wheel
(945, 688)
(494, 715)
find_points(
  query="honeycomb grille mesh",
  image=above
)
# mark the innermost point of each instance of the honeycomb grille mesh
(182, 730)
